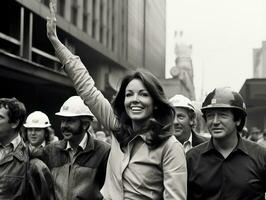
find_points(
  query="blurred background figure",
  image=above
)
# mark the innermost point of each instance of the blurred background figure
(200, 126)
(255, 134)
(52, 136)
(262, 140)
(185, 122)
(38, 131)
(101, 135)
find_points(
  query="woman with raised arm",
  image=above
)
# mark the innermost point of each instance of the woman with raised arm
(146, 161)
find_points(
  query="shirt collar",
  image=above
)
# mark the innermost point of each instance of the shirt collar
(189, 141)
(15, 142)
(240, 145)
(82, 144)
(187, 145)
(43, 144)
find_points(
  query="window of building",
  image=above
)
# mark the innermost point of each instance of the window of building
(85, 16)
(124, 28)
(113, 26)
(61, 7)
(45, 2)
(101, 22)
(74, 12)
(93, 18)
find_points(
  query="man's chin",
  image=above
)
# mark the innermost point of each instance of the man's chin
(67, 135)
(178, 133)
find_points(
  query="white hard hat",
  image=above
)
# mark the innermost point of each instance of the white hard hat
(181, 101)
(37, 119)
(74, 107)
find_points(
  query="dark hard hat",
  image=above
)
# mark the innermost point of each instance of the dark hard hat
(224, 97)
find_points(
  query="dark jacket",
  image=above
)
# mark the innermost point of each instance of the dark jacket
(197, 139)
(23, 179)
(81, 179)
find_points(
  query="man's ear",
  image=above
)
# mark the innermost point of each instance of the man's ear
(86, 123)
(238, 122)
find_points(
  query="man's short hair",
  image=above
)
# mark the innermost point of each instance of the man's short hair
(16, 110)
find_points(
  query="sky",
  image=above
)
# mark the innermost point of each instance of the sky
(223, 34)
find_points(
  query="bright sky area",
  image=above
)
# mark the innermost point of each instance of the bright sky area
(223, 34)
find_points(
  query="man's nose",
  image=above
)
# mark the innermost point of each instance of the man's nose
(216, 118)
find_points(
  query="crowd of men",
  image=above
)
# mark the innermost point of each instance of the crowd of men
(154, 152)
(36, 165)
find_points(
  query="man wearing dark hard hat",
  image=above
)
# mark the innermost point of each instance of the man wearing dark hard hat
(78, 162)
(185, 121)
(228, 166)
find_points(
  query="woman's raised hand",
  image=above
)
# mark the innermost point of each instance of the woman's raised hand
(51, 22)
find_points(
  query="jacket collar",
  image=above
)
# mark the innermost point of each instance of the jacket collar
(20, 153)
(89, 145)
(82, 144)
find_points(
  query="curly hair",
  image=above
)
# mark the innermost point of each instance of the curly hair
(160, 126)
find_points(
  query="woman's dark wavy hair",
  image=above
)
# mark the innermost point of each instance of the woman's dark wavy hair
(160, 126)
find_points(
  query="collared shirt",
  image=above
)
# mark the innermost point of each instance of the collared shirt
(188, 144)
(43, 144)
(240, 176)
(82, 145)
(4, 150)
(143, 173)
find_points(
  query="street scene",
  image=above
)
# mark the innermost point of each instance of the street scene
(132, 100)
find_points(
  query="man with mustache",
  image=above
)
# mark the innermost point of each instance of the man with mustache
(78, 162)
(185, 121)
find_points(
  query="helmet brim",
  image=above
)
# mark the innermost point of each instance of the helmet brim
(68, 114)
(36, 126)
(222, 106)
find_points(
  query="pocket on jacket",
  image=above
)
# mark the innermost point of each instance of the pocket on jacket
(10, 185)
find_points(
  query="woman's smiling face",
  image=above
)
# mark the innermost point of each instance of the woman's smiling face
(138, 101)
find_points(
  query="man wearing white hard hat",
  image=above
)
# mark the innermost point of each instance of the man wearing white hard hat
(78, 162)
(185, 121)
(37, 132)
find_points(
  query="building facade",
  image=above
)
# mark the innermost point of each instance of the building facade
(259, 61)
(253, 90)
(110, 36)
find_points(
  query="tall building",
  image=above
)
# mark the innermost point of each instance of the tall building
(110, 36)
